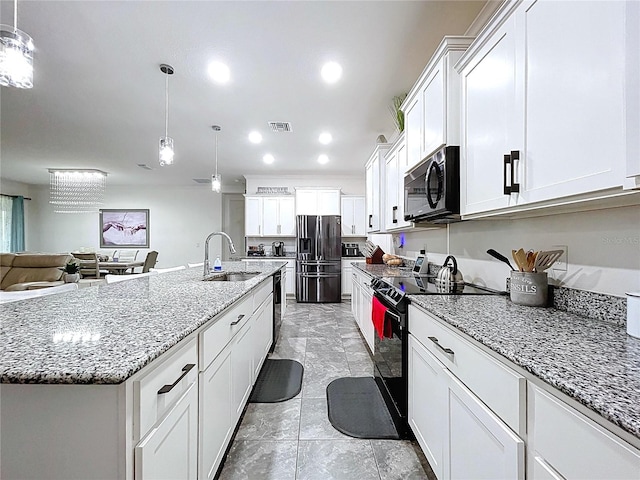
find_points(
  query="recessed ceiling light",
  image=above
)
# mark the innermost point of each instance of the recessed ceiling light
(325, 138)
(268, 159)
(322, 159)
(219, 72)
(331, 72)
(255, 137)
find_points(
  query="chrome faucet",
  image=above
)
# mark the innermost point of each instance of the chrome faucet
(207, 264)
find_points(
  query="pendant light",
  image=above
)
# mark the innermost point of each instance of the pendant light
(166, 143)
(16, 55)
(216, 180)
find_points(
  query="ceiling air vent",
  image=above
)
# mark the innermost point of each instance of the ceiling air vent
(280, 126)
(145, 166)
(202, 180)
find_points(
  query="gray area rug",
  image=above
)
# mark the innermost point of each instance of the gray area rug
(279, 380)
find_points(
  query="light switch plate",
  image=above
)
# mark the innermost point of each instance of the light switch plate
(562, 262)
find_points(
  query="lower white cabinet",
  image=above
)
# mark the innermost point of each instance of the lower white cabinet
(262, 335)
(169, 450)
(563, 443)
(461, 437)
(361, 298)
(216, 426)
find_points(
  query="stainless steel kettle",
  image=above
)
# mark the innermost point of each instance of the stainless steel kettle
(449, 273)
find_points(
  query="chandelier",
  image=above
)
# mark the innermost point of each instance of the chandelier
(77, 191)
(216, 180)
(16, 55)
(166, 142)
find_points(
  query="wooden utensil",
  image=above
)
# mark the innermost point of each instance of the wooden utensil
(531, 260)
(546, 258)
(520, 257)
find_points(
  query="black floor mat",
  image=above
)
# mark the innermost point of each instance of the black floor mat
(279, 380)
(357, 409)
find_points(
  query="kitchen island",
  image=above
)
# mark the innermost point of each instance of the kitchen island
(563, 387)
(92, 378)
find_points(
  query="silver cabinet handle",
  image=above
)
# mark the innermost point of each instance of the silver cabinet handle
(448, 351)
(240, 317)
(186, 369)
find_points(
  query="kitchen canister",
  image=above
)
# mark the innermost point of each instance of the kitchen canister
(633, 314)
(529, 288)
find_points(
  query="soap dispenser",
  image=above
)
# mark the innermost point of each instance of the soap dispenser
(217, 265)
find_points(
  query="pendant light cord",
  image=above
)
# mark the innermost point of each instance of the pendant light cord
(216, 154)
(166, 106)
(15, 15)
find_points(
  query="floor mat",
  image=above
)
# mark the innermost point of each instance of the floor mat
(279, 380)
(357, 409)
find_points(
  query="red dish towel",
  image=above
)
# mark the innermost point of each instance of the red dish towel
(378, 317)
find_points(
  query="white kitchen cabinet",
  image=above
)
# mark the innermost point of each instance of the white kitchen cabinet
(432, 107)
(347, 275)
(355, 297)
(564, 443)
(317, 201)
(262, 332)
(632, 93)
(375, 182)
(169, 450)
(269, 216)
(215, 414)
(540, 125)
(241, 371)
(361, 298)
(353, 210)
(253, 216)
(395, 165)
(428, 404)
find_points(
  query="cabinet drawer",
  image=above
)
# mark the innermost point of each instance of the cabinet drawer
(499, 387)
(214, 338)
(156, 392)
(261, 292)
(576, 447)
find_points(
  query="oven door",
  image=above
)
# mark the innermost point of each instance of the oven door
(391, 361)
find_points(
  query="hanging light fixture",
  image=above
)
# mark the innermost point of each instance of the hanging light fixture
(166, 142)
(77, 191)
(16, 55)
(216, 180)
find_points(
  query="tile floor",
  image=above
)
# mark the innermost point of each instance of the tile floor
(294, 439)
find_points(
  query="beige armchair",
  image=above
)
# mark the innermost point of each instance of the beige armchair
(28, 271)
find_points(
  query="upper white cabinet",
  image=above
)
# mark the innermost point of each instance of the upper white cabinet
(540, 122)
(317, 201)
(432, 107)
(353, 216)
(269, 216)
(375, 183)
(632, 93)
(395, 166)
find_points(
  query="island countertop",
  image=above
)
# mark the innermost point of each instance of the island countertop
(104, 334)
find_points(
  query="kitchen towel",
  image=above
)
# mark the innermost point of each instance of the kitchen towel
(378, 317)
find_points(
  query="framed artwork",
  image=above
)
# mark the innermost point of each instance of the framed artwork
(124, 228)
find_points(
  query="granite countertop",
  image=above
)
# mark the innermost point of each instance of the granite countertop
(104, 334)
(593, 361)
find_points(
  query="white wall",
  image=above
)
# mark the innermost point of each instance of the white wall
(350, 185)
(603, 247)
(180, 218)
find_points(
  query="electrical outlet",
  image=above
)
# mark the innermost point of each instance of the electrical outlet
(563, 261)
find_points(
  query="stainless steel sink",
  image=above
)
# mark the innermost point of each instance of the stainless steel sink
(232, 277)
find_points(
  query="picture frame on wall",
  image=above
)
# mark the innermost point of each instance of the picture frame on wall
(124, 228)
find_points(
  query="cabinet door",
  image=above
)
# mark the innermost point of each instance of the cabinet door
(347, 212)
(291, 279)
(262, 333)
(328, 202)
(434, 111)
(346, 279)
(366, 324)
(491, 125)
(287, 217)
(428, 404)
(480, 445)
(355, 297)
(270, 216)
(414, 116)
(216, 426)
(306, 202)
(574, 101)
(169, 450)
(241, 371)
(391, 192)
(253, 216)
(359, 217)
(373, 195)
(402, 166)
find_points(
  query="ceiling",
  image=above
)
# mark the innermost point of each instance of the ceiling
(99, 96)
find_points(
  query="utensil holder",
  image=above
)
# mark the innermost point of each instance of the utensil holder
(529, 288)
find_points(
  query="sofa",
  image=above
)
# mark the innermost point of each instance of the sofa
(28, 271)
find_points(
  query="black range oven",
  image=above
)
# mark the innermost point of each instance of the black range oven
(391, 354)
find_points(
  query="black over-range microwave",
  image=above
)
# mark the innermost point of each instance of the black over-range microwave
(432, 189)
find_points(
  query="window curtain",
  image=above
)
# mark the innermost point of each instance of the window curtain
(11, 223)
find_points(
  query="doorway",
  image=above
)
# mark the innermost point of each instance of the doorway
(233, 224)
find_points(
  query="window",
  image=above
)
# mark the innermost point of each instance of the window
(11, 223)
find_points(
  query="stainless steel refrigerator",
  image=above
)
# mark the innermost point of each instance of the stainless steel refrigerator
(318, 257)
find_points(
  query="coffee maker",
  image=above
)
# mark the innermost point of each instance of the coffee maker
(277, 249)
